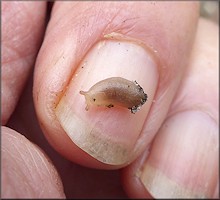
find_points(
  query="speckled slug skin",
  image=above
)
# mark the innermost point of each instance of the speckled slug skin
(116, 91)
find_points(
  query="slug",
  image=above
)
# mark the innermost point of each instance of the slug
(116, 91)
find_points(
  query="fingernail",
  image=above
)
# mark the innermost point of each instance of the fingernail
(108, 134)
(183, 162)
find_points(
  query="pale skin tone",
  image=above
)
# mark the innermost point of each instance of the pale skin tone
(19, 56)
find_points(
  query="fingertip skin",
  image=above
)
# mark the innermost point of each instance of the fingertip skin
(59, 63)
(22, 34)
(27, 172)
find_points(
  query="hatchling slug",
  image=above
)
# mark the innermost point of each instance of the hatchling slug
(116, 91)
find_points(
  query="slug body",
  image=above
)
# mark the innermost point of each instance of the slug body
(116, 91)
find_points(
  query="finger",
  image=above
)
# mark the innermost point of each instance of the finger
(101, 183)
(77, 56)
(22, 29)
(26, 171)
(183, 160)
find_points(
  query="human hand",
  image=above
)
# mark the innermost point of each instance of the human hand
(167, 149)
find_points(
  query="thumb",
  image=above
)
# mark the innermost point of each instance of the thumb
(148, 48)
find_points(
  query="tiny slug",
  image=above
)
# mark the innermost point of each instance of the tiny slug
(116, 91)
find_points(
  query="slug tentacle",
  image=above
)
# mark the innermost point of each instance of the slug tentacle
(82, 92)
(116, 91)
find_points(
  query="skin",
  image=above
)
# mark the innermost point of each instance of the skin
(25, 122)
